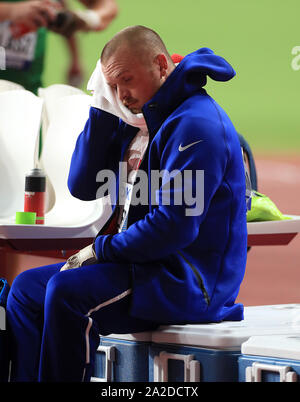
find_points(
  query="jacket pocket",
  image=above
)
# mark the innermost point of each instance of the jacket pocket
(160, 296)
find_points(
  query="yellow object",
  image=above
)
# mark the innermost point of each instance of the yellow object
(263, 209)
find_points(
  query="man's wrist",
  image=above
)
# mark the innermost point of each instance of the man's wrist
(91, 18)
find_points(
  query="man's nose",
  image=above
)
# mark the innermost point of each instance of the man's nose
(122, 93)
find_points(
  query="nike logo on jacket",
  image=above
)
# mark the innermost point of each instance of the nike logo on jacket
(181, 148)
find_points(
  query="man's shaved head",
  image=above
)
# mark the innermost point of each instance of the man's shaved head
(141, 41)
(135, 63)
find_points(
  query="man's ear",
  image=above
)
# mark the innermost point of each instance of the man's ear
(162, 63)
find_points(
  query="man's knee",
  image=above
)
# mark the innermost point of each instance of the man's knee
(20, 289)
(29, 286)
(58, 290)
(21, 282)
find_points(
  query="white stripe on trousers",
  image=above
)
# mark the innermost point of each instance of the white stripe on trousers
(90, 322)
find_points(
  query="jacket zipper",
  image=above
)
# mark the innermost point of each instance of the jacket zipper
(199, 279)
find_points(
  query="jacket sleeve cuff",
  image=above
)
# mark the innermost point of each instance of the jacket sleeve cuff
(99, 243)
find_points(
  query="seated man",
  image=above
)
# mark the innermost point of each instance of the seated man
(173, 258)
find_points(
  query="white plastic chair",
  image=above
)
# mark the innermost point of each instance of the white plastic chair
(71, 113)
(20, 118)
(70, 221)
(50, 95)
(9, 86)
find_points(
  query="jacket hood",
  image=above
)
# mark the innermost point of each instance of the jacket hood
(204, 62)
(189, 77)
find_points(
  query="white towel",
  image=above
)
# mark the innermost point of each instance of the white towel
(105, 98)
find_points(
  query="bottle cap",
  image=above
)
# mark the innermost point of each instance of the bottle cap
(35, 181)
(25, 218)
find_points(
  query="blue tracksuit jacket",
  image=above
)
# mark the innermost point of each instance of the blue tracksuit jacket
(184, 268)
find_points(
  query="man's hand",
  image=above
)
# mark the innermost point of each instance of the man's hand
(28, 16)
(86, 256)
(68, 22)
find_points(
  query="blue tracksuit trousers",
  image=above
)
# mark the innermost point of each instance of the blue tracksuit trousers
(54, 319)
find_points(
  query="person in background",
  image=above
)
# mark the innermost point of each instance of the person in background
(97, 17)
(23, 30)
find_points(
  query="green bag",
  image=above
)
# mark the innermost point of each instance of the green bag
(263, 209)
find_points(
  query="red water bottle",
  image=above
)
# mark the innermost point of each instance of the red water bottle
(35, 187)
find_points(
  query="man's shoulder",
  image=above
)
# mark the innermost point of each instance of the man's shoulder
(196, 112)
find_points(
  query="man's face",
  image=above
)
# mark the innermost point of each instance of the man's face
(135, 81)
